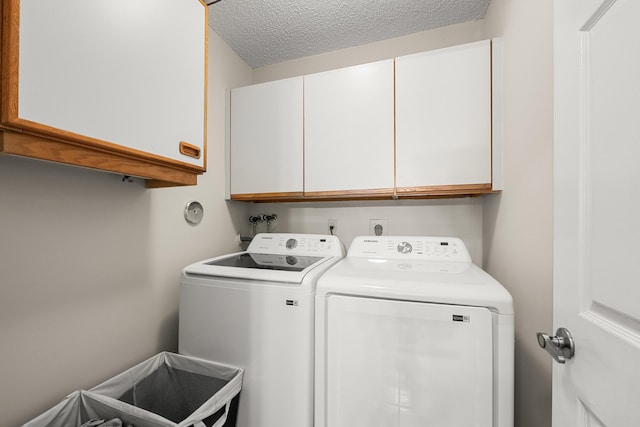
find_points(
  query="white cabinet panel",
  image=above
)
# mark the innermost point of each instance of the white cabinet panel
(130, 73)
(421, 129)
(443, 117)
(349, 128)
(267, 138)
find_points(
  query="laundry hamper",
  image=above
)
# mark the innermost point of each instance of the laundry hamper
(183, 390)
(167, 390)
(82, 406)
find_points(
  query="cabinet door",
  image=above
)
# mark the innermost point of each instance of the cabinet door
(348, 127)
(115, 78)
(266, 139)
(127, 72)
(443, 118)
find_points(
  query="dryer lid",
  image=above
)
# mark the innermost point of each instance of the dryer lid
(428, 272)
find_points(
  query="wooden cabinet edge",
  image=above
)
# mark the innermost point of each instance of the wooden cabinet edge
(426, 192)
(269, 197)
(9, 13)
(371, 194)
(159, 174)
(47, 133)
(440, 191)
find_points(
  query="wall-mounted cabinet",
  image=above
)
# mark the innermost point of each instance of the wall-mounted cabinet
(117, 85)
(443, 120)
(348, 132)
(267, 134)
(418, 126)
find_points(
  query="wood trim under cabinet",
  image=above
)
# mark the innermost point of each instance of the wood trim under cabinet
(373, 194)
(161, 175)
(425, 192)
(444, 191)
(48, 133)
(269, 197)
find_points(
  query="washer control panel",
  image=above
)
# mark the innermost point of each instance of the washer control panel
(296, 244)
(410, 247)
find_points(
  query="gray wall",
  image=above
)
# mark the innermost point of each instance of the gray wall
(518, 223)
(89, 265)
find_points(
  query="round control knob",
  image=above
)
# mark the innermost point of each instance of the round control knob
(292, 243)
(405, 248)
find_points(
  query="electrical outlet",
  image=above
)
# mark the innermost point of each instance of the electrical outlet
(332, 226)
(378, 227)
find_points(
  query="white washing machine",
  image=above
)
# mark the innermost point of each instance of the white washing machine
(255, 310)
(410, 333)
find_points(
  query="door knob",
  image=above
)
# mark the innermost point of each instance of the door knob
(561, 346)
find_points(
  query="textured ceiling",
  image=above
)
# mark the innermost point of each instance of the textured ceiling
(264, 32)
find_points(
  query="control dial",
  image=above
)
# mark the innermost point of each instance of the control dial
(405, 248)
(291, 243)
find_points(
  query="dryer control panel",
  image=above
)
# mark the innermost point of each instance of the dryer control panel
(410, 247)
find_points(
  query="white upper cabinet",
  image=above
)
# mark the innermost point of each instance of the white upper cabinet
(120, 77)
(348, 129)
(443, 118)
(418, 126)
(267, 139)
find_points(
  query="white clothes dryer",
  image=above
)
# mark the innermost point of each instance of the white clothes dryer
(255, 310)
(410, 333)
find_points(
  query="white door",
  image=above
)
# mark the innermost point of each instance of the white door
(596, 219)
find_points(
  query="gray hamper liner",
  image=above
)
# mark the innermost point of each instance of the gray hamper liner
(167, 390)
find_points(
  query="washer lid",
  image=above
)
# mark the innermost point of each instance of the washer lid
(266, 261)
(258, 267)
(274, 257)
